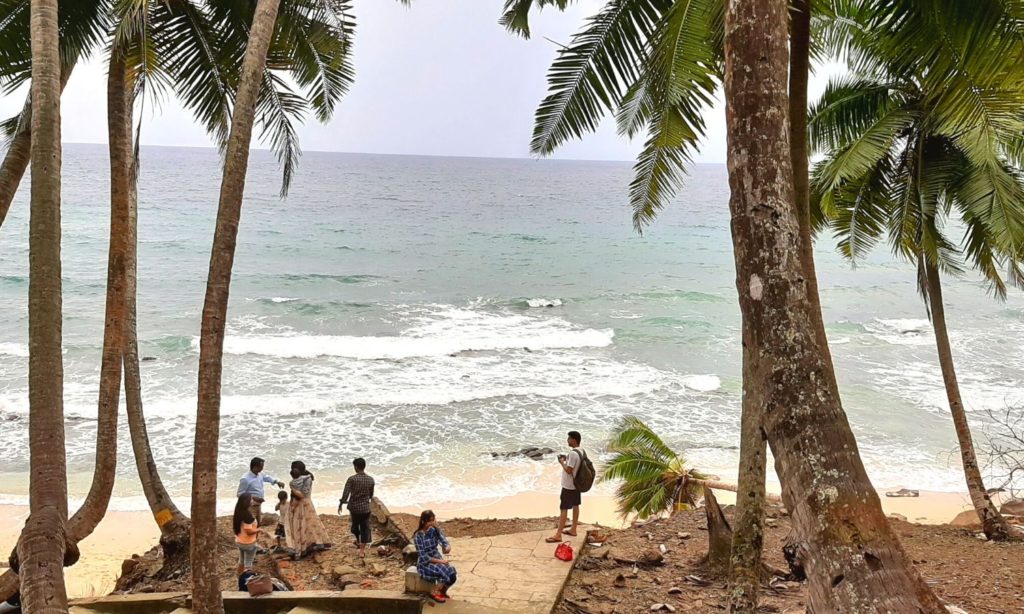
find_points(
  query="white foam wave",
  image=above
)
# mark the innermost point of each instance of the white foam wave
(282, 299)
(702, 383)
(544, 302)
(624, 315)
(902, 331)
(439, 333)
(14, 349)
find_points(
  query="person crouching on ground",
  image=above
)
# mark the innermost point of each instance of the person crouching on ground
(569, 499)
(430, 565)
(246, 529)
(357, 494)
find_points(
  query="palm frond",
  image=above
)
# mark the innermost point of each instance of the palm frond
(632, 432)
(681, 72)
(278, 108)
(82, 23)
(589, 77)
(515, 16)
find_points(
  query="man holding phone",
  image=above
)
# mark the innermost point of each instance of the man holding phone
(570, 496)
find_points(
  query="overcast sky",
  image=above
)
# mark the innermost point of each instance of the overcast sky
(439, 78)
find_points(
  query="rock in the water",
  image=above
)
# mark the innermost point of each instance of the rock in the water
(966, 519)
(1013, 507)
(530, 452)
(898, 517)
(148, 358)
(903, 492)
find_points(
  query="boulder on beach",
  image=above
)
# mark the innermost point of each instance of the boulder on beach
(966, 519)
(1013, 507)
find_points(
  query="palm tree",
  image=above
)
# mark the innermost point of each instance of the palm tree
(824, 482)
(596, 74)
(655, 479)
(42, 547)
(197, 47)
(81, 25)
(906, 161)
(205, 572)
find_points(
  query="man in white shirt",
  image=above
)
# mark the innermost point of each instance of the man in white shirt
(570, 496)
(252, 484)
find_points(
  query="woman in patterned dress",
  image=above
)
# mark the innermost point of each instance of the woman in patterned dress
(430, 565)
(305, 533)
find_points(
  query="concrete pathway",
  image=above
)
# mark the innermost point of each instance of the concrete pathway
(508, 573)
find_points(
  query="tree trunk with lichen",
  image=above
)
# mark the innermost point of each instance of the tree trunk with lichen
(854, 561)
(748, 527)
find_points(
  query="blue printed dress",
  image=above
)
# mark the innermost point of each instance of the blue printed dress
(427, 543)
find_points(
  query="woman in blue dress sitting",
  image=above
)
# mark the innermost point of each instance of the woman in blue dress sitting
(431, 566)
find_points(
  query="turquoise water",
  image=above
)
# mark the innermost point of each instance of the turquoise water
(423, 312)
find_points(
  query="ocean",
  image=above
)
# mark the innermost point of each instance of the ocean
(424, 312)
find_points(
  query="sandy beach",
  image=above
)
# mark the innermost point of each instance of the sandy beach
(122, 534)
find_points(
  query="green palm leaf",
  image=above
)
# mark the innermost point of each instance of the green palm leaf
(516, 14)
(681, 72)
(589, 76)
(654, 478)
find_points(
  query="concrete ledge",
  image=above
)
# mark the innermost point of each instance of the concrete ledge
(414, 583)
(157, 603)
(341, 602)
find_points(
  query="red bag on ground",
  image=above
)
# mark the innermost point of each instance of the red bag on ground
(564, 551)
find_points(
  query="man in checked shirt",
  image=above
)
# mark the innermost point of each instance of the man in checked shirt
(357, 495)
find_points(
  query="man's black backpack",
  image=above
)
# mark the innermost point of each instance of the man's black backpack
(584, 478)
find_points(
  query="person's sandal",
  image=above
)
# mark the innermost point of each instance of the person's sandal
(438, 597)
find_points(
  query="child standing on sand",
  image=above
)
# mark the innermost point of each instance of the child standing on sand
(282, 512)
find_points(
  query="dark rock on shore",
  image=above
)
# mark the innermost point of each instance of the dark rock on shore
(533, 453)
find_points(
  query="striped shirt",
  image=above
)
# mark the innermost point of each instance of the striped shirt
(357, 494)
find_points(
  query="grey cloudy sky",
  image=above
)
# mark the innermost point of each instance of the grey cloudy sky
(439, 78)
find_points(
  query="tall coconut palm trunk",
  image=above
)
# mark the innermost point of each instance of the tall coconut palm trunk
(174, 525)
(854, 561)
(992, 522)
(748, 525)
(119, 125)
(42, 546)
(15, 163)
(205, 562)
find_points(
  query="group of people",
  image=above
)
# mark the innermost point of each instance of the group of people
(300, 530)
